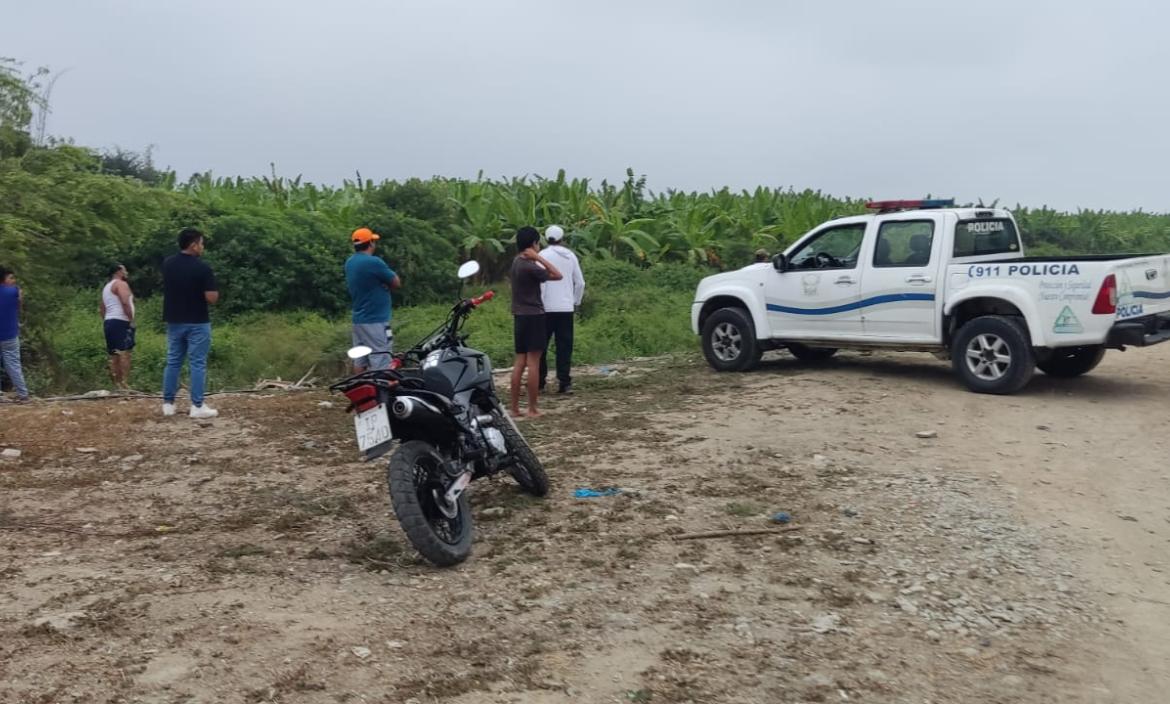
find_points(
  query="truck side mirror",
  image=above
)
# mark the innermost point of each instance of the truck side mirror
(780, 263)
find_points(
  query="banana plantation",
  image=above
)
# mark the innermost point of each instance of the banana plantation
(716, 229)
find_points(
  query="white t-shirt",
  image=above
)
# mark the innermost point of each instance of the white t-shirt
(564, 295)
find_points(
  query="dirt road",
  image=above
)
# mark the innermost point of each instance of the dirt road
(1022, 555)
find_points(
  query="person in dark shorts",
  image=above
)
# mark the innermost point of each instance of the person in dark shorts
(529, 271)
(117, 309)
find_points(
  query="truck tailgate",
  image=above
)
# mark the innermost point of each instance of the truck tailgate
(1143, 286)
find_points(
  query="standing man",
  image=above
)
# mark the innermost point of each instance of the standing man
(11, 304)
(117, 309)
(370, 281)
(561, 299)
(529, 271)
(188, 287)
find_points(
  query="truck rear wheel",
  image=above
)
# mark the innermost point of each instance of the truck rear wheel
(992, 354)
(729, 341)
(1068, 362)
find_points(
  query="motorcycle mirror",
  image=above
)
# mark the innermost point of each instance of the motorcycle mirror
(468, 269)
(356, 353)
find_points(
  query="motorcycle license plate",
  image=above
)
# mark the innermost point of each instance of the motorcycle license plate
(373, 428)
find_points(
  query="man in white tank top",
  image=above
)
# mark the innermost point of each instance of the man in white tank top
(118, 323)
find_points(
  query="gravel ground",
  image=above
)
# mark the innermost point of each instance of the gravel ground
(251, 559)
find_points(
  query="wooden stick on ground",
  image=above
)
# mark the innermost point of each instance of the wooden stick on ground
(731, 533)
(306, 376)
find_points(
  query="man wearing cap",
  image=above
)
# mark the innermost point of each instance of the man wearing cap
(561, 297)
(370, 281)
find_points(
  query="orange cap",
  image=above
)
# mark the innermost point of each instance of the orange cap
(363, 235)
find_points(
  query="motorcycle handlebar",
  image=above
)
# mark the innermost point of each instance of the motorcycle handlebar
(449, 328)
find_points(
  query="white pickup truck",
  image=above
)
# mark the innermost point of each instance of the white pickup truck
(927, 276)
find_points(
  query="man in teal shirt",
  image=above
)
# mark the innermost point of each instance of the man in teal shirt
(370, 281)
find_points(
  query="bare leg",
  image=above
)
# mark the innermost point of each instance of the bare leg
(115, 370)
(125, 360)
(533, 363)
(517, 376)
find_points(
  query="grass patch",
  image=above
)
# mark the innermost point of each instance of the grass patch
(377, 552)
(243, 550)
(743, 510)
(628, 312)
(287, 510)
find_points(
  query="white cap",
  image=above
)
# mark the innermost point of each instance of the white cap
(554, 233)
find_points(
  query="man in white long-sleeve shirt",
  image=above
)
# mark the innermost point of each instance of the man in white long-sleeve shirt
(561, 299)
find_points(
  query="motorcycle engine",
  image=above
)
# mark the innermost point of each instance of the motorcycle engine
(496, 439)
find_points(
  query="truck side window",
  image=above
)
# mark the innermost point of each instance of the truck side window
(835, 248)
(904, 243)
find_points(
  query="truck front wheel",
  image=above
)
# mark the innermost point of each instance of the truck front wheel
(993, 355)
(729, 341)
(1067, 362)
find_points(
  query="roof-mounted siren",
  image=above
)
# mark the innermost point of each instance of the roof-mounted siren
(891, 206)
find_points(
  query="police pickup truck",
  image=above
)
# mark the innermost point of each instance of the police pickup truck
(927, 276)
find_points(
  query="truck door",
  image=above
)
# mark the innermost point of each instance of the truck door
(816, 297)
(900, 281)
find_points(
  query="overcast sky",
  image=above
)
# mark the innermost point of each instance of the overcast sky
(1058, 103)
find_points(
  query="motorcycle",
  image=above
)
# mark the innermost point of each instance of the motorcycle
(438, 401)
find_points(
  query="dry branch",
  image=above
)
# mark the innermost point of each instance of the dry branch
(732, 533)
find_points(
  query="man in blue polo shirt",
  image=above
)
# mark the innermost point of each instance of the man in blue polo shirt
(370, 281)
(11, 301)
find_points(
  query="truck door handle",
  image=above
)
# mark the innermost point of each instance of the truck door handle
(917, 279)
(845, 281)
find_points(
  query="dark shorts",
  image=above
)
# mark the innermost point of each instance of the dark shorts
(119, 336)
(528, 332)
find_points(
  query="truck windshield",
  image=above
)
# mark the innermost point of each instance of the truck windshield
(986, 236)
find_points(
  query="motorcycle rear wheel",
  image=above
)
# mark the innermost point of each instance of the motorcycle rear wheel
(412, 476)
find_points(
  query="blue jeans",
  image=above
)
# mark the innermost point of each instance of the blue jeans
(190, 341)
(10, 353)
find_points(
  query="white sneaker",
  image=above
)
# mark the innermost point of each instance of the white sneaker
(168, 409)
(203, 411)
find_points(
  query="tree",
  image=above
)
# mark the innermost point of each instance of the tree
(18, 99)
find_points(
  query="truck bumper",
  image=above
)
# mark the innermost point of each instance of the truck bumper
(1141, 332)
(696, 308)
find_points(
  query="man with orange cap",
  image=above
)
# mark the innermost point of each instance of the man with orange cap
(370, 281)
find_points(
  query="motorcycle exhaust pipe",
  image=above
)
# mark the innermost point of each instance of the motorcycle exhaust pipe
(413, 408)
(402, 407)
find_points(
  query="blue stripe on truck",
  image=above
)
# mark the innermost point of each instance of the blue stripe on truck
(1150, 294)
(863, 303)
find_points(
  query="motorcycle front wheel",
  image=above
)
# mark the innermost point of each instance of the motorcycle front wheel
(416, 492)
(527, 470)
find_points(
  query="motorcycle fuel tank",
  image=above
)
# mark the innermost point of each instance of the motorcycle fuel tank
(452, 371)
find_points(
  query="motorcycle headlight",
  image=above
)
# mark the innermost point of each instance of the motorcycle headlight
(432, 359)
